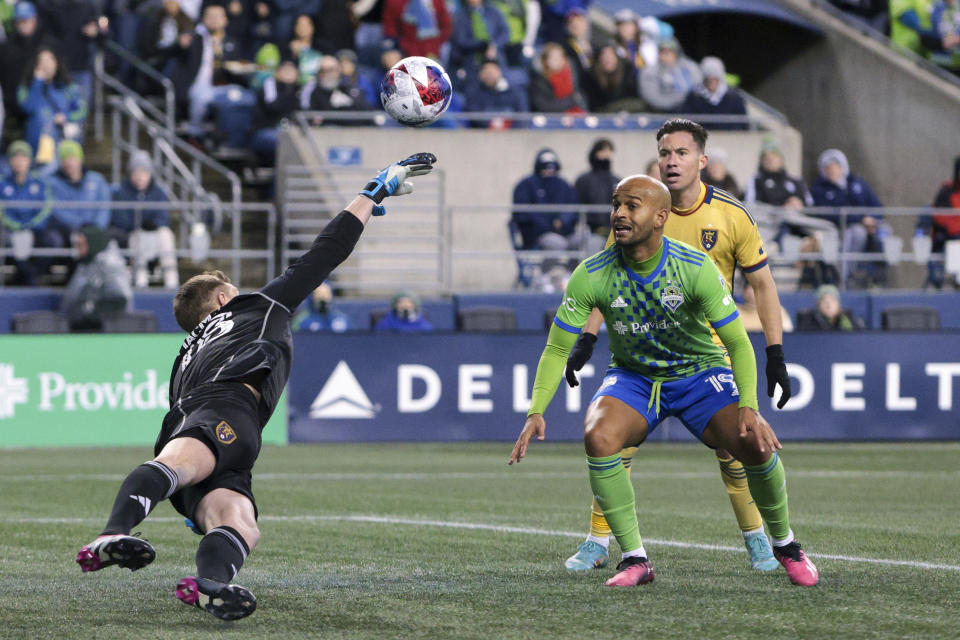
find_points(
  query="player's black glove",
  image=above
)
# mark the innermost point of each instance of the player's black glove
(579, 356)
(392, 181)
(777, 374)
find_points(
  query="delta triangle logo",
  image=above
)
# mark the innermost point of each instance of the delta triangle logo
(342, 397)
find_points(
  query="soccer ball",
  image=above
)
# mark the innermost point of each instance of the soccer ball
(416, 91)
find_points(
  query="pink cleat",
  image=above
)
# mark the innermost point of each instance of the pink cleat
(801, 571)
(224, 601)
(632, 571)
(122, 550)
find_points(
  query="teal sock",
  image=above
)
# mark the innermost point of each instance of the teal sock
(768, 485)
(614, 492)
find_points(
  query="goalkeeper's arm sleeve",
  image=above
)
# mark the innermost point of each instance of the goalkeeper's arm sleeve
(550, 369)
(742, 361)
(329, 249)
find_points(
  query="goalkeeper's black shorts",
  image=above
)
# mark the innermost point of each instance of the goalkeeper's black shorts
(225, 417)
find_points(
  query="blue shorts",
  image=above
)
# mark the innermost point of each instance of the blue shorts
(694, 400)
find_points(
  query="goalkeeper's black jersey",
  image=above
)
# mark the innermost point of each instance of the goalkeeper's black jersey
(248, 339)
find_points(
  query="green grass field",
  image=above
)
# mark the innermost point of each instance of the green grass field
(447, 541)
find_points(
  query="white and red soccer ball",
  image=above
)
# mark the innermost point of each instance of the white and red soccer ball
(416, 91)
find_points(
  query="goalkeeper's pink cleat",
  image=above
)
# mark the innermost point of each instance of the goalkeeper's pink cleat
(633, 571)
(802, 572)
(125, 551)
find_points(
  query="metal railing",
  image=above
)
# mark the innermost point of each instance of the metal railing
(102, 79)
(762, 120)
(186, 211)
(412, 253)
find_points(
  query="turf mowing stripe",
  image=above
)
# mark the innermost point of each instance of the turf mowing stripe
(507, 529)
(493, 475)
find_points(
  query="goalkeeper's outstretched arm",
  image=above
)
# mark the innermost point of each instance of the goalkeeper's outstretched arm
(340, 236)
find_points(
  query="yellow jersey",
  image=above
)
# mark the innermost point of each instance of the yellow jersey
(721, 226)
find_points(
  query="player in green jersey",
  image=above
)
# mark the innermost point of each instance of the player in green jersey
(657, 296)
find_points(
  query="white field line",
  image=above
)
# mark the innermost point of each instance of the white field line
(504, 529)
(492, 475)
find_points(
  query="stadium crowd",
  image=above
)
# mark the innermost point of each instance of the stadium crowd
(239, 68)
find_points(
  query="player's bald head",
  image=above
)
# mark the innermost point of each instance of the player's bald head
(648, 189)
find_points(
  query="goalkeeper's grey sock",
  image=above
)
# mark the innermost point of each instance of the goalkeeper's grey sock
(139, 493)
(221, 554)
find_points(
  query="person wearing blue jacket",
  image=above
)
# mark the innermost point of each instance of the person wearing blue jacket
(837, 187)
(73, 183)
(147, 229)
(23, 187)
(480, 32)
(544, 230)
(405, 315)
(52, 103)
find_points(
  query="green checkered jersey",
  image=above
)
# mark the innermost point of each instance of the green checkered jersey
(657, 323)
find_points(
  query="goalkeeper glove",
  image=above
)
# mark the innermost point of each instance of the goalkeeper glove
(579, 356)
(777, 374)
(392, 181)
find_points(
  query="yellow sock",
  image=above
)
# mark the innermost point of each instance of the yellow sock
(735, 480)
(598, 524)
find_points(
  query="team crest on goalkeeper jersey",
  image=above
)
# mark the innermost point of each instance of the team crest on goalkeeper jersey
(671, 296)
(225, 433)
(708, 238)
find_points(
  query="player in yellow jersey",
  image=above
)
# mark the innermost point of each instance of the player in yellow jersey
(715, 222)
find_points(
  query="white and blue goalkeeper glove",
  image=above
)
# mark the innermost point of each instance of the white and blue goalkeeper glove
(392, 181)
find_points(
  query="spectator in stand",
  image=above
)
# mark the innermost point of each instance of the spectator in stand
(100, 284)
(627, 38)
(302, 50)
(417, 27)
(596, 186)
(771, 184)
(241, 15)
(20, 221)
(336, 26)
(328, 92)
(74, 184)
(493, 93)
(946, 22)
(163, 29)
(545, 228)
(713, 97)
(480, 33)
(277, 99)
(716, 174)
(613, 83)
(665, 85)
(351, 78)
(942, 227)
(828, 315)
(911, 26)
(321, 316)
(147, 230)
(267, 60)
(555, 87)
(751, 315)
(553, 15)
(53, 104)
(17, 51)
(838, 187)
(283, 14)
(198, 74)
(405, 315)
(653, 169)
(519, 23)
(74, 26)
(577, 46)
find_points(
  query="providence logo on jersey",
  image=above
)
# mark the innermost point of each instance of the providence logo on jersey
(13, 391)
(342, 397)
